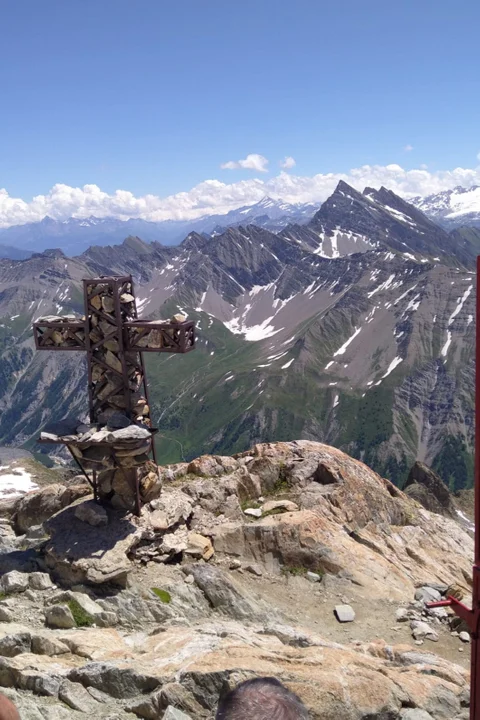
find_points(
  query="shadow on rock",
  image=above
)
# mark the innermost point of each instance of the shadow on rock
(80, 553)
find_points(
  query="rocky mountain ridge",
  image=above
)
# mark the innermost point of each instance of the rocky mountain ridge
(75, 235)
(237, 570)
(452, 209)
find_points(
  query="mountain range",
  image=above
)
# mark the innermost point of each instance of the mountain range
(354, 328)
(452, 209)
(73, 235)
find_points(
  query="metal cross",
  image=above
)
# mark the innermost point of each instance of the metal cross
(114, 340)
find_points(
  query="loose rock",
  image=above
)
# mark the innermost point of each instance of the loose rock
(254, 570)
(60, 616)
(421, 630)
(344, 613)
(172, 713)
(253, 512)
(91, 513)
(199, 546)
(13, 582)
(40, 581)
(75, 696)
(284, 505)
(427, 594)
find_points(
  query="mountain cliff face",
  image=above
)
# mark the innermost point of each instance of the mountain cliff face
(354, 329)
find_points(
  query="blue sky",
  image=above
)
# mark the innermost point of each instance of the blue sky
(153, 96)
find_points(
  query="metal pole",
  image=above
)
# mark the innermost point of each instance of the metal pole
(472, 616)
(475, 650)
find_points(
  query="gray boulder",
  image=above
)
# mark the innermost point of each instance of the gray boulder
(172, 713)
(427, 594)
(75, 696)
(38, 506)
(60, 616)
(344, 613)
(115, 681)
(40, 581)
(78, 553)
(14, 582)
(224, 595)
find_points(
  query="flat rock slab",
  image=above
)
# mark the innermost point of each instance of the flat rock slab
(173, 713)
(92, 513)
(344, 613)
(427, 594)
(79, 553)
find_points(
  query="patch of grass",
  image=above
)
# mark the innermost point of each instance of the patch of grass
(300, 571)
(294, 570)
(274, 511)
(282, 485)
(3, 595)
(81, 617)
(162, 595)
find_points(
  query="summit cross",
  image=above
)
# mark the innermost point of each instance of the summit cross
(113, 450)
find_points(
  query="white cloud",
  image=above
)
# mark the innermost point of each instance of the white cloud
(408, 148)
(288, 163)
(213, 196)
(251, 162)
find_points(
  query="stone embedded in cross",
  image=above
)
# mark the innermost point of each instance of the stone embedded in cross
(114, 340)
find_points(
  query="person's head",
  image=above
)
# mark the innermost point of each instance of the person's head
(8, 711)
(261, 699)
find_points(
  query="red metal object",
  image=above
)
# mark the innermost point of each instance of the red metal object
(472, 617)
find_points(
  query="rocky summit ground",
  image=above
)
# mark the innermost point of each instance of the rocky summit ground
(241, 568)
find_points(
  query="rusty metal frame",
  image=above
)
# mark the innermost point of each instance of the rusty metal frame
(184, 343)
(71, 326)
(142, 366)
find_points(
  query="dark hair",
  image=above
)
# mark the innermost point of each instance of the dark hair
(261, 699)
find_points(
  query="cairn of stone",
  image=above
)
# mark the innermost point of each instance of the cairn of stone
(115, 450)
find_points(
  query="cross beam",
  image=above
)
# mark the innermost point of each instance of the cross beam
(114, 340)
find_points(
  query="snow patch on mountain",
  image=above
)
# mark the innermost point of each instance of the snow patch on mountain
(342, 349)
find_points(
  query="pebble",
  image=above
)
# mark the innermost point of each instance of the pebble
(254, 569)
(464, 636)
(344, 613)
(253, 512)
